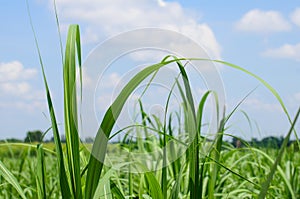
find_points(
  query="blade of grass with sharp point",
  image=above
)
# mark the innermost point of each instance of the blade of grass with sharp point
(175, 165)
(64, 183)
(248, 121)
(201, 110)
(190, 152)
(219, 142)
(40, 177)
(164, 183)
(281, 172)
(73, 48)
(58, 30)
(218, 146)
(268, 86)
(100, 145)
(192, 128)
(216, 154)
(10, 178)
(144, 123)
(176, 187)
(190, 125)
(199, 176)
(231, 171)
(187, 86)
(266, 184)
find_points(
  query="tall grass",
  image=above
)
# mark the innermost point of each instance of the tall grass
(198, 166)
(207, 169)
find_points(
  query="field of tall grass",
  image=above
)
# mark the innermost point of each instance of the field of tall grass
(208, 168)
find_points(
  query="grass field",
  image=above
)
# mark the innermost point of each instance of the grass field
(206, 169)
(242, 172)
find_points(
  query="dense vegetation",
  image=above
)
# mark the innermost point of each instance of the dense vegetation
(208, 168)
(241, 173)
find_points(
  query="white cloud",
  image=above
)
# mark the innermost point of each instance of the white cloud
(287, 51)
(16, 88)
(100, 19)
(15, 71)
(259, 21)
(257, 104)
(295, 17)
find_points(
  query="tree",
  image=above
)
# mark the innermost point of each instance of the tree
(89, 140)
(34, 136)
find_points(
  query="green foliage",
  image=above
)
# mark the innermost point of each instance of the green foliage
(34, 136)
(209, 168)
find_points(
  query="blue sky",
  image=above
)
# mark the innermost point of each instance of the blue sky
(261, 36)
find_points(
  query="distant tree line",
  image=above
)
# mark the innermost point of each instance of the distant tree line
(33, 136)
(267, 142)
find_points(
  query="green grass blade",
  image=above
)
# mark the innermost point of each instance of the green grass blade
(41, 178)
(236, 107)
(116, 191)
(199, 175)
(166, 129)
(23, 159)
(281, 172)
(103, 189)
(100, 145)
(267, 85)
(10, 178)
(266, 184)
(191, 127)
(58, 30)
(144, 123)
(70, 107)
(216, 154)
(187, 86)
(200, 110)
(64, 183)
(176, 188)
(130, 180)
(153, 186)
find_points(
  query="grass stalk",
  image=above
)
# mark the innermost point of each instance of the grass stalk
(64, 182)
(266, 184)
(70, 108)
(41, 173)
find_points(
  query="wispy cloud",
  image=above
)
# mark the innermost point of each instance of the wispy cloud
(287, 51)
(15, 70)
(257, 104)
(295, 16)
(259, 21)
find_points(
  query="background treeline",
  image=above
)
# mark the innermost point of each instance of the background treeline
(267, 142)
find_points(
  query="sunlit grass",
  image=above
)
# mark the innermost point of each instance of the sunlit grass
(209, 168)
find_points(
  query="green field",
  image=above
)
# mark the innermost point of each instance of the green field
(178, 162)
(240, 175)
